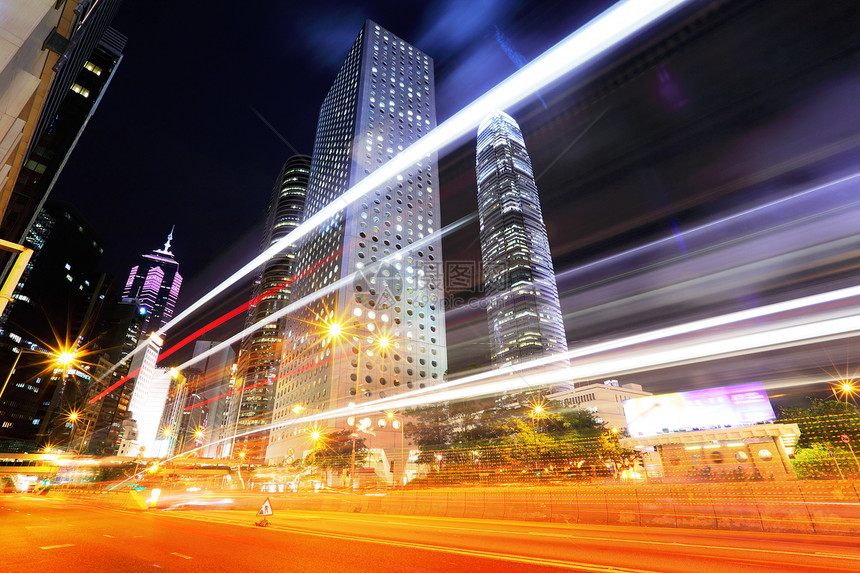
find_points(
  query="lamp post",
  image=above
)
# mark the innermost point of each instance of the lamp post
(397, 423)
(847, 389)
(63, 359)
(536, 412)
(336, 331)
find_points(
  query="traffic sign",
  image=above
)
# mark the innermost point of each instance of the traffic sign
(845, 438)
(266, 509)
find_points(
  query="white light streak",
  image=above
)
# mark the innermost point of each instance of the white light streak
(601, 34)
(604, 32)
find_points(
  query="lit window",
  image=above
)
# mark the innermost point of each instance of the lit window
(93, 68)
(79, 89)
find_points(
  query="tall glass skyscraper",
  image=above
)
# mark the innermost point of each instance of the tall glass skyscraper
(523, 310)
(382, 101)
(155, 282)
(260, 355)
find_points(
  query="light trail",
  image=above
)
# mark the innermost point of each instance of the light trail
(724, 343)
(321, 292)
(686, 234)
(606, 31)
(248, 387)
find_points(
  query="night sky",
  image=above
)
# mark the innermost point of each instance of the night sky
(179, 139)
(752, 104)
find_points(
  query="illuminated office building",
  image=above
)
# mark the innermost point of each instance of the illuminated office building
(381, 102)
(155, 282)
(260, 353)
(151, 387)
(523, 309)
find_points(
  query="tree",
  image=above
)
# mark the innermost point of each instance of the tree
(334, 451)
(505, 433)
(824, 421)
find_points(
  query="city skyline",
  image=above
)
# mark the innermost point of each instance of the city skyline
(537, 285)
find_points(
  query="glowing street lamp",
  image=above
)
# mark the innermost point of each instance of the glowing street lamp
(336, 331)
(536, 413)
(844, 390)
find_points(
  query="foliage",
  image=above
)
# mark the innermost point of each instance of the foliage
(334, 452)
(824, 421)
(816, 462)
(508, 434)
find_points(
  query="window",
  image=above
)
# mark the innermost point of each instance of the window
(93, 68)
(79, 89)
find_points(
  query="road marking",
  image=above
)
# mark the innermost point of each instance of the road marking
(58, 546)
(106, 535)
(576, 537)
(837, 555)
(181, 555)
(34, 526)
(442, 549)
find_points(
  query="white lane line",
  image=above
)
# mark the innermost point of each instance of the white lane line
(34, 526)
(106, 535)
(181, 555)
(57, 546)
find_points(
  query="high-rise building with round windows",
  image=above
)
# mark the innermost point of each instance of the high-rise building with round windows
(382, 247)
(523, 309)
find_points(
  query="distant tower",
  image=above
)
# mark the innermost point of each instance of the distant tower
(523, 310)
(155, 282)
(260, 355)
(381, 102)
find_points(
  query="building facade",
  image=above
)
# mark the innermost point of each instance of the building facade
(260, 354)
(155, 283)
(55, 306)
(603, 399)
(49, 43)
(382, 247)
(523, 309)
(58, 138)
(146, 405)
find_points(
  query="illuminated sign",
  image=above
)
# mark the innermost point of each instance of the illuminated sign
(722, 407)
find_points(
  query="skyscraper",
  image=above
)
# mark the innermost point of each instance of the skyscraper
(151, 386)
(155, 282)
(382, 100)
(56, 304)
(523, 309)
(260, 353)
(76, 102)
(46, 47)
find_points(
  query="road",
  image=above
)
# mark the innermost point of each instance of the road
(55, 534)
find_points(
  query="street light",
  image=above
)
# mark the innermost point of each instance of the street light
(536, 412)
(337, 332)
(62, 359)
(847, 389)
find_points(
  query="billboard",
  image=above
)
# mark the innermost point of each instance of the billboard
(722, 407)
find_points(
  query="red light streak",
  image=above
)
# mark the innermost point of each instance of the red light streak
(296, 371)
(249, 304)
(115, 385)
(241, 308)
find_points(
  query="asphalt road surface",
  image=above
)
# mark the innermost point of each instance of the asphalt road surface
(54, 534)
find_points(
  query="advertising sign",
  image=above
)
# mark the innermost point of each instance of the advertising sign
(722, 407)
